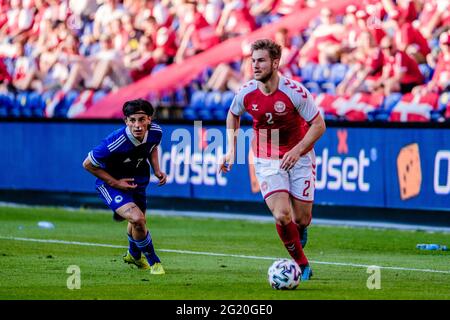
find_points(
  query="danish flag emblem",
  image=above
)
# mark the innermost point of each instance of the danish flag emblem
(279, 106)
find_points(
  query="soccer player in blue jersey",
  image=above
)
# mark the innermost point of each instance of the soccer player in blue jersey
(121, 163)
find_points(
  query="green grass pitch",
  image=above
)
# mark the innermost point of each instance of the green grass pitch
(209, 259)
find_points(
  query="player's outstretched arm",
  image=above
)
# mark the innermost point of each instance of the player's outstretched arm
(154, 162)
(123, 184)
(233, 125)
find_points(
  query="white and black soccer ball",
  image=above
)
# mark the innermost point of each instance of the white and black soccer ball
(284, 274)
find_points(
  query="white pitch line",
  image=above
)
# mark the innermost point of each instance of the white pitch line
(90, 244)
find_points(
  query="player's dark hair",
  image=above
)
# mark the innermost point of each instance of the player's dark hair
(272, 47)
(137, 106)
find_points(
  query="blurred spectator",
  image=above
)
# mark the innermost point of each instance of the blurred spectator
(405, 10)
(289, 53)
(66, 45)
(19, 18)
(371, 23)
(434, 18)
(262, 11)
(107, 65)
(122, 31)
(166, 46)
(148, 9)
(108, 11)
(25, 70)
(5, 77)
(409, 39)
(143, 11)
(83, 8)
(268, 11)
(54, 64)
(367, 68)
(285, 7)
(235, 19)
(196, 34)
(211, 10)
(225, 77)
(324, 44)
(140, 62)
(400, 72)
(105, 70)
(351, 27)
(440, 81)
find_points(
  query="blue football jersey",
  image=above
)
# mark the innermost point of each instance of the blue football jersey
(123, 156)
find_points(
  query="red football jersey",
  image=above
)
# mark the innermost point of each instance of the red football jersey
(280, 120)
(402, 62)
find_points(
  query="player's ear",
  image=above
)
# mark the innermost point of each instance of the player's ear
(276, 63)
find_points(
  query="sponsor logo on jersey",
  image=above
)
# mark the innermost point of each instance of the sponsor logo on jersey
(254, 107)
(127, 160)
(279, 106)
(118, 199)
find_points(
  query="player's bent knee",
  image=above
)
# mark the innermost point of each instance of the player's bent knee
(138, 220)
(282, 217)
(302, 213)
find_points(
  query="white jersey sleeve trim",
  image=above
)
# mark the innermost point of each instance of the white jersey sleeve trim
(300, 97)
(237, 105)
(94, 162)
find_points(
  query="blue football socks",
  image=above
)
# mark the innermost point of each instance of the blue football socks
(146, 247)
(133, 248)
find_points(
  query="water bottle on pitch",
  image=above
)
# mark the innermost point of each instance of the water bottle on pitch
(431, 246)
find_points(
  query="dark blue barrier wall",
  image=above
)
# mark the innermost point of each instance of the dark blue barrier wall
(380, 163)
(375, 167)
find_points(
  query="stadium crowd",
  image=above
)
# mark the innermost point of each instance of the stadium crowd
(57, 57)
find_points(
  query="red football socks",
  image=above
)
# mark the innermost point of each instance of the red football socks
(291, 239)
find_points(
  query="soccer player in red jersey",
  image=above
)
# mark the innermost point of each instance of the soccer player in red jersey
(286, 124)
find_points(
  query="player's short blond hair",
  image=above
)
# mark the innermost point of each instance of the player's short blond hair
(271, 46)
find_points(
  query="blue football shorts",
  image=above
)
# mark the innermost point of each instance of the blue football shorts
(115, 198)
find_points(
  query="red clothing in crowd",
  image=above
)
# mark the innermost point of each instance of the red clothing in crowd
(240, 20)
(410, 35)
(402, 62)
(374, 62)
(441, 73)
(4, 74)
(428, 11)
(166, 40)
(408, 13)
(313, 53)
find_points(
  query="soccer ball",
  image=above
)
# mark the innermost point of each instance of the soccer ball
(284, 274)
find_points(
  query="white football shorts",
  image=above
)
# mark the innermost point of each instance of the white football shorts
(299, 181)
